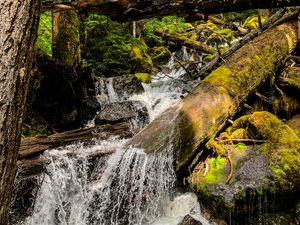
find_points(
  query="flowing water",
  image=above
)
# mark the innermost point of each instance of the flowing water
(127, 187)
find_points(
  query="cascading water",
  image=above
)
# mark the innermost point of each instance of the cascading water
(127, 187)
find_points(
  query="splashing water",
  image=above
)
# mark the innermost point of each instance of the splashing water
(129, 190)
(127, 187)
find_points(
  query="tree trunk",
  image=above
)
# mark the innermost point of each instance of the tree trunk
(65, 37)
(19, 21)
(205, 111)
(135, 9)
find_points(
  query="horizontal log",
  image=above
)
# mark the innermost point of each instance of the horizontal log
(34, 146)
(135, 9)
(36, 166)
(185, 41)
(205, 111)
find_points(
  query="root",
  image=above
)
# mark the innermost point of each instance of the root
(231, 168)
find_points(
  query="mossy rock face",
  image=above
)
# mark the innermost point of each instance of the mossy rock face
(283, 148)
(269, 168)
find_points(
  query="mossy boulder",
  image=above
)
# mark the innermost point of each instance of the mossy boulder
(266, 168)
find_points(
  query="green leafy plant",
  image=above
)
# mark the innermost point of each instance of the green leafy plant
(170, 24)
(109, 45)
(44, 38)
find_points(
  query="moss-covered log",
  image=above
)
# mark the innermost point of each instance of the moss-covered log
(205, 111)
(65, 37)
(135, 9)
(185, 41)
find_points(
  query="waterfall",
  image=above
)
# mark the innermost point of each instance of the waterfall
(127, 187)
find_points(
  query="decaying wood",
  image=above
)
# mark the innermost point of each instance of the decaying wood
(185, 41)
(36, 166)
(206, 110)
(270, 22)
(31, 147)
(135, 9)
(31, 162)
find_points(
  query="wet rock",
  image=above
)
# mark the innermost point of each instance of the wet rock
(189, 220)
(261, 178)
(65, 96)
(275, 219)
(115, 89)
(127, 111)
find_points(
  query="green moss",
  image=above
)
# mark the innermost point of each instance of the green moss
(252, 22)
(44, 38)
(220, 76)
(241, 147)
(225, 33)
(143, 77)
(239, 133)
(210, 57)
(283, 150)
(170, 24)
(66, 37)
(213, 175)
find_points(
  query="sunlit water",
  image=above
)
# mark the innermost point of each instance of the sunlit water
(127, 187)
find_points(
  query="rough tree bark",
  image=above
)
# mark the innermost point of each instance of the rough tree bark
(205, 111)
(136, 9)
(19, 21)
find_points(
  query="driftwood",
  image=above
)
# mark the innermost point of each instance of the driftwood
(31, 162)
(275, 19)
(185, 41)
(135, 10)
(206, 110)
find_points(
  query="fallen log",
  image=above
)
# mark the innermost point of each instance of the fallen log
(36, 166)
(32, 147)
(185, 41)
(205, 111)
(132, 9)
(275, 19)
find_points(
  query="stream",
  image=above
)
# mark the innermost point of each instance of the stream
(127, 187)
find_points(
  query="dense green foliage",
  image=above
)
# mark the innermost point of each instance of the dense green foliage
(170, 24)
(110, 49)
(44, 39)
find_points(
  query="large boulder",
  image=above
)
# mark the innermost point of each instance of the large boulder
(64, 97)
(128, 111)
(116, 89)
(189, 220)
(240, 180)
